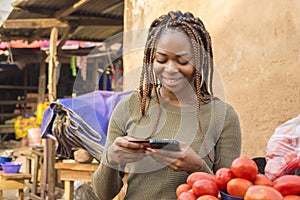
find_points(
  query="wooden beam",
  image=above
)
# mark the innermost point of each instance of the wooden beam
(14, 87)
(42, 81)
(66, 11)
(97, 21)
(63, 12)
(35, 10)
(113, 7)
(33, 23)
(37, 34)
(67, 35)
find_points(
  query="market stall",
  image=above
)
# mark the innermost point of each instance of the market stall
(59, 22)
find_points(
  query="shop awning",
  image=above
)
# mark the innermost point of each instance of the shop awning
(79, 20)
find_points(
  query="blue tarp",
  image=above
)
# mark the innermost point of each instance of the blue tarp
(81, 122)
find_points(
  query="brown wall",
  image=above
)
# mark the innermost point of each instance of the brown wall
(256, 46)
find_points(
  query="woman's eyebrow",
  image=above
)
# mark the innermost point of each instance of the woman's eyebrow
(178, 55)
(161, 53)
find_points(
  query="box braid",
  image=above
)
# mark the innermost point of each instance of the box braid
(203, 58)
(202, 51)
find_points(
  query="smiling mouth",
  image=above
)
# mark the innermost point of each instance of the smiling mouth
(171, 80)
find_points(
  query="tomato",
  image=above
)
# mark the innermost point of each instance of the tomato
(205, 186)
(197, 176)
(222, 177)
(291, 197)
(262, 179)
(238, 187)
(207, 197)
(262, 192)
(182, 188)
(187, 196)
(244, 167)
(287, 184)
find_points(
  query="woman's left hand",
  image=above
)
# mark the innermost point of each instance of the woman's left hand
(184, 160)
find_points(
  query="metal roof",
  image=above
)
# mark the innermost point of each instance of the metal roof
(84, 20)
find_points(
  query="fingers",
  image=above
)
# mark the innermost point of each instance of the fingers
(163, 156)
(123, 151)
(125, 142)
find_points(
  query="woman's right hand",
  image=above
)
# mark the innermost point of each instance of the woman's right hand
(122, 151)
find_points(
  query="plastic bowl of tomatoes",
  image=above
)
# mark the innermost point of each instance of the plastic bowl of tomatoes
(225, 196)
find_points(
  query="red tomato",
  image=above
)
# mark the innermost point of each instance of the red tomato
(205, 186)
(222, 177)
(207, 197)
(238, 187)
(187, 196)
(191, 190)
(244, 167)
(262, 179)
(291, 197)
(198, 176)
(182, 188)
(262, 192)
(287, 184)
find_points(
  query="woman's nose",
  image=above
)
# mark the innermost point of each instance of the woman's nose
(171, 67)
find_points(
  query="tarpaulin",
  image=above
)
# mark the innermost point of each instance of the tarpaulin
(81, 122)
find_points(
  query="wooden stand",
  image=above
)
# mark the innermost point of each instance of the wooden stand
(13, 182)
(34, 164)
(70, 172)
(5, 130)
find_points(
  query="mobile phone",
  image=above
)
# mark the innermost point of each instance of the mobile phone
(171, 145)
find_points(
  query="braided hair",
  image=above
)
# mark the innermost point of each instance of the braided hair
(200, 39)
(202, 51)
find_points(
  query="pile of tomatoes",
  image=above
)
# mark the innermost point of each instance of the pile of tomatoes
(240, 180)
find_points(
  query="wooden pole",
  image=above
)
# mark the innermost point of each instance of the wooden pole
(52, 65)
(49, 178)
(42, 80)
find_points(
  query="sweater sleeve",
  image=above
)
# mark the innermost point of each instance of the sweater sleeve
(229, 144)
(107, 180)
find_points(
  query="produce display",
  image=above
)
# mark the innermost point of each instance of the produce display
(283, 149)
(240, 180)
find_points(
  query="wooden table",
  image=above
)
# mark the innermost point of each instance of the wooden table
(34, 164)
(70, 172)
(13, 182)
(5, 130)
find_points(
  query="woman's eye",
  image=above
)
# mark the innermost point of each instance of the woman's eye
(161, 61)
(160, 58)
(183, 61)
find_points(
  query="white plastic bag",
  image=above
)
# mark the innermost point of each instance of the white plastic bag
(283, 149)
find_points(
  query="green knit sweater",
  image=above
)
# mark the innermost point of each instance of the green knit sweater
(147, 179)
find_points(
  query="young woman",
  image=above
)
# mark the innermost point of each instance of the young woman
(175, 101)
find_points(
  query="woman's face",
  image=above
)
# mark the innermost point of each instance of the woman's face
(173, 62)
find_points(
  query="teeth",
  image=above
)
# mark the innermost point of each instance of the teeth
(172, 80)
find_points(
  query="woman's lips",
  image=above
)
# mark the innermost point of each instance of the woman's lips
(171, 81)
